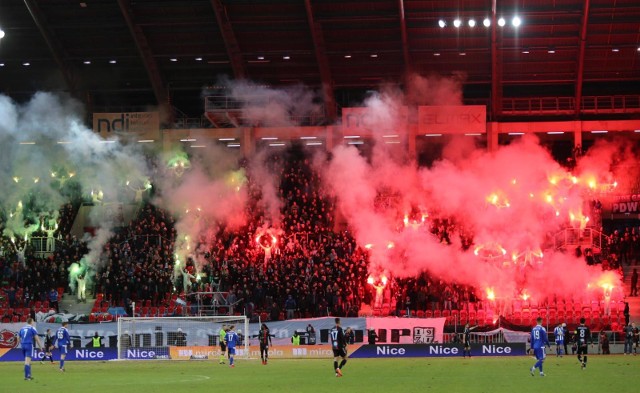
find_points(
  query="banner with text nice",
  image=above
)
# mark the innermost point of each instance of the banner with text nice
(275, 352)
(437, 350)
(452, 119)
(15, 354)
(407, 330)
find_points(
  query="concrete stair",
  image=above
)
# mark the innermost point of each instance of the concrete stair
(70, 305)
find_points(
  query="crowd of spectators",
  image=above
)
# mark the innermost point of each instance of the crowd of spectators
(311, 270)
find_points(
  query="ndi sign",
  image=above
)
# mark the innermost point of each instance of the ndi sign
(437, 350)
(126, 123)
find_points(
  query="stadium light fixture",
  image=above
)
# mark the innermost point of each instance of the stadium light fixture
(442, 23)
(436, 53)
(551, 50)
(26, 64)
(1, 64)
(615, 50)
(173, 59)
(472, 23)
(516, 21)
(87, 62)
(286, 57)
(599, 132)
(198, 58)
(501, 22)
(112, 62)
(226, 139)
(486, 22)
(1, 34)
(457, 23)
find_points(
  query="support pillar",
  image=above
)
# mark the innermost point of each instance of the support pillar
(577, 134)
(248, 142)
(492, 136)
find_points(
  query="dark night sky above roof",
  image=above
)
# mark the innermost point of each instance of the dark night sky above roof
(168, 51)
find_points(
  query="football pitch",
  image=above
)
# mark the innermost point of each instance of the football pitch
(614, 373)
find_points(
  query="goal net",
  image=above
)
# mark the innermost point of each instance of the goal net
(181, 338)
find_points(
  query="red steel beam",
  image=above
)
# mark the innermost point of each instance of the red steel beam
(323, 63)
(496, 71)
(230, 41)
(405, 41)
(150, 63)
(58, 52)
(581, 51)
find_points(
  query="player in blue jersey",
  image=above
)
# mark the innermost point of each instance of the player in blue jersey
(62, 343)
(558, 333)
(232, 340)
(28, 336)
(539, 340)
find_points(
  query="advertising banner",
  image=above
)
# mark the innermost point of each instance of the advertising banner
(15, 354)
(126, 124)
(452, 119)
(407, 330)
(437, 350)
(367, 121)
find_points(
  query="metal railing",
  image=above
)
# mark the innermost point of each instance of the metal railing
(567, 105)
(611, 104)
(587, 237)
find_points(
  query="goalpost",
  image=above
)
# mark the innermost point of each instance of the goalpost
(184, 338)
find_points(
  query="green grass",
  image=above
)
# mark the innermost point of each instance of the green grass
(615, 373)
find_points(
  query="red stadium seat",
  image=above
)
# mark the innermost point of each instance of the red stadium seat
(428, 314)
(437, 314)
(446, 313)
(420, 314)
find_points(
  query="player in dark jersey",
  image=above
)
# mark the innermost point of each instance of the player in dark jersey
(583, 336)
(636, 339)
(339, 346)
(264, 336)
(48, 346)
(466, 340)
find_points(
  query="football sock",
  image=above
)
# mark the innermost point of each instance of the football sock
(231, 360)
(585, 359)
(335, 365)
(61, 363)
(342, 363)
(26, 371)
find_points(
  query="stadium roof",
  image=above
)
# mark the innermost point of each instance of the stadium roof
(124, 54)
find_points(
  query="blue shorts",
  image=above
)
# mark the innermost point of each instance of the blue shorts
(27, 351)
(232, 351)
(559, 342)
(539, 353)
(63, 349)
